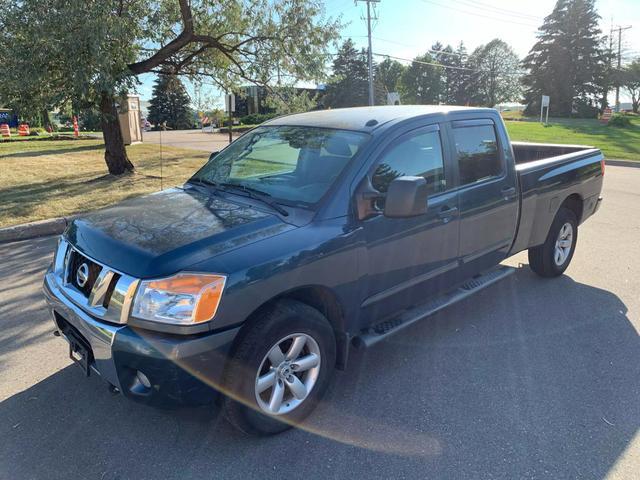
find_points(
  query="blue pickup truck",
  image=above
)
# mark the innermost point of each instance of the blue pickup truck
(308, 236)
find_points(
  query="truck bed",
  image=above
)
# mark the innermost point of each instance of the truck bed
(549, 175)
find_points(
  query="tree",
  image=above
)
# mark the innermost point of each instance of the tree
(287, 100)
(495, 78)
(568, 60)
(170, 103)
(389, 72)
(421, 83)
(455, 73)
(630, 81)
(113, 41)
(348, 85)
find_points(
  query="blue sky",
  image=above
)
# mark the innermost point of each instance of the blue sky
(407, 28)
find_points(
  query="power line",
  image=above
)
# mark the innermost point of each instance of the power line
(435, 64)
(500, 10)
(480, 14)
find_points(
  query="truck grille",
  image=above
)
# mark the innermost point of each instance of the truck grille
(96, 288)
(82, 273)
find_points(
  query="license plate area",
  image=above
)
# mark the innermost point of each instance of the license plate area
(79, 349)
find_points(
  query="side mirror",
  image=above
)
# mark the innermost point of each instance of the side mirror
(406, 197)
(213, 155)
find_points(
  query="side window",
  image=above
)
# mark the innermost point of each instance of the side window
(418, 155)
(477, 153)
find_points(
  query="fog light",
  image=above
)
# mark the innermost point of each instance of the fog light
(142, 378)
(140, 383)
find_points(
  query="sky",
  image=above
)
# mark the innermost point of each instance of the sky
(407, 28)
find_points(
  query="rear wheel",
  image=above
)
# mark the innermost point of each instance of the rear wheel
(280, 369)
(553, 257)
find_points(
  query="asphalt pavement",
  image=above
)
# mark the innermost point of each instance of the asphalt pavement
(531, 378)
(192, 139)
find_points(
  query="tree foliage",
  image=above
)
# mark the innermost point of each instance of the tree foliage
(495, 77)
(91, 51)
(170, 103)
(422, 83)
(389, 72)
(568, 61)
(629, 79)
(348, 85)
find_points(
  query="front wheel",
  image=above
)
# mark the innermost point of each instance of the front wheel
(280, 369)
(553, 257)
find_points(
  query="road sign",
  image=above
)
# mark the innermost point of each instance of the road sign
(546, 100)
(230, 102)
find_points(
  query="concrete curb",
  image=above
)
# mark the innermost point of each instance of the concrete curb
(622, 163)
(25, 231)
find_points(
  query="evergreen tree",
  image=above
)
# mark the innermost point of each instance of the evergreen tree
(170, 103)
(349, 83)
(421, 83)
(494, 79)
(567, 62)
(454, 74)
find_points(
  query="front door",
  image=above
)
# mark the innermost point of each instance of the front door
(409, 258)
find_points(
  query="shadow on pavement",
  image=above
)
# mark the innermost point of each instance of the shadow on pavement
(531, 378)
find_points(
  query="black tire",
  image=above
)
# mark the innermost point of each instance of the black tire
(542, 259)
(284, 318)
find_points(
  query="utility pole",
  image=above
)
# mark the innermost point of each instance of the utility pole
(620, 30)
(370, 52)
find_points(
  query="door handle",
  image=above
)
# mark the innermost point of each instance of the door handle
(508, 192)
(446, 213)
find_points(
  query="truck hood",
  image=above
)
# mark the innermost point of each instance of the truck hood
(160, 234)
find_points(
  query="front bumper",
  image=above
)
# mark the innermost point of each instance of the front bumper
(183, 369)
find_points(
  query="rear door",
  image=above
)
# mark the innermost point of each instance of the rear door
(488, 199)
(410, 258)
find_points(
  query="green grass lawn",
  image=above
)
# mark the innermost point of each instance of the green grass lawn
(40, 180)
(615, 143)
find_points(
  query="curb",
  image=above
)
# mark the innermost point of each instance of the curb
(622, 163)
(25, 231)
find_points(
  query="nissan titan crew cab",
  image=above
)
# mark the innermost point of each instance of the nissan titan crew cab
(309, 235)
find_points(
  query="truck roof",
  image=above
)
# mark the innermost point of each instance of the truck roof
(366, 119)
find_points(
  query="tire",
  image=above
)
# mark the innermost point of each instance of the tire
(546, 260)
(283, 324)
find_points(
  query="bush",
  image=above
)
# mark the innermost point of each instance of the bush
(620, 120)
(256, 118)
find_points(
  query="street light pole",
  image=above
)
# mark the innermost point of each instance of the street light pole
(620, 30)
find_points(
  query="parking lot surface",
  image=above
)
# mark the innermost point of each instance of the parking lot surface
(532, 378)
(193, 139)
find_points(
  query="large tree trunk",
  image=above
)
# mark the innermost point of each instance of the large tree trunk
(115, 154)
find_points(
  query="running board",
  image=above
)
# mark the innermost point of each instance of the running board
(385, 329)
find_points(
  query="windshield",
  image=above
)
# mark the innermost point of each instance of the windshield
(292, 164)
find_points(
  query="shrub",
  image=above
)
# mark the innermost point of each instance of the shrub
(256, 118)
(620, 120)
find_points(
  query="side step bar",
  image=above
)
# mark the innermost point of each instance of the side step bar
(385, 329)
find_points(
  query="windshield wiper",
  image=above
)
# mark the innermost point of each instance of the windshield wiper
(256, 194)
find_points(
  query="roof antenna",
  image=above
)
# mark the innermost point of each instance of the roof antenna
(371, 123)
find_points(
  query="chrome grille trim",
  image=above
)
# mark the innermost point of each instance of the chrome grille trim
(117, 311)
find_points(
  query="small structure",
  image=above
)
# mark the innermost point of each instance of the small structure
(129, 114)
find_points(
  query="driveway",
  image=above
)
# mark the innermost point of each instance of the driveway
(531, 378)
(192, 139)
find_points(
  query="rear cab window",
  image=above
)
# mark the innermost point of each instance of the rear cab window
(477, 151)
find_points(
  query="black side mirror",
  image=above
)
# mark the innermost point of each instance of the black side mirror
(213, 155)
(406, 197)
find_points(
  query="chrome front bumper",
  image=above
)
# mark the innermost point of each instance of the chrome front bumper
(99, 335)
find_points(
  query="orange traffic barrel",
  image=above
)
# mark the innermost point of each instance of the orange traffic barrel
(23, 130)
(4, 130)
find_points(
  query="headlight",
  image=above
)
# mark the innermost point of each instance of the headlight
(183, 299)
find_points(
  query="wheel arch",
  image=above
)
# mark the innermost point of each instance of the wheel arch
(575, 203)
(326, 301)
